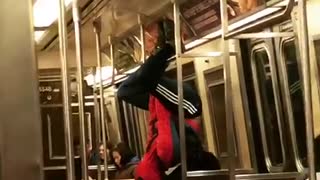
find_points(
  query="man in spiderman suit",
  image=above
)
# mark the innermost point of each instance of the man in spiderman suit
(150, 90)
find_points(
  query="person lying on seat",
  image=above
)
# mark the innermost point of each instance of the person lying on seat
(149, 89)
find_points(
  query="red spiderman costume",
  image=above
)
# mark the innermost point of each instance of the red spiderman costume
(160, 147)
(163, 143)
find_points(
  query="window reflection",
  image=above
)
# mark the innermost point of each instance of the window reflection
(267, 102)
(296, 96)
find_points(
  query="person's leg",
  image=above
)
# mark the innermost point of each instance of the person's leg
(133, 92)
(149, 78)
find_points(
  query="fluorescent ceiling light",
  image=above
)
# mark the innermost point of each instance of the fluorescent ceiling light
(45, 12)
(38, 35)
(106, 74)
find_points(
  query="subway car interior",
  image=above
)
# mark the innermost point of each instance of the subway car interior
(253, 65)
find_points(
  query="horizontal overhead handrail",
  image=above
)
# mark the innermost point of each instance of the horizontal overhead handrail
(118, 78)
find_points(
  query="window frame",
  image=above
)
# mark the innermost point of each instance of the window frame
(256, 48)
(287, 98)
(208, 85)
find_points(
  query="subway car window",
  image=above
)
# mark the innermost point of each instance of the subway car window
(193, 83)
(296, 96)
(266, 101)
(54, 142)
(133, 126)
(216, 95)
(137, 132)
(142, 121)
(123, 116)
(190, 78)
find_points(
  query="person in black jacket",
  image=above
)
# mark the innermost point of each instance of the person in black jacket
(149, 80)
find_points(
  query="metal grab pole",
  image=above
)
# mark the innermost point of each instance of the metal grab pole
(97, 120)
(305, 58)
(79, 62)
(227, 88)
(126, 120)
(142, 39)
(183, 157)
(112, 63)
(97, 30)
(68, 134)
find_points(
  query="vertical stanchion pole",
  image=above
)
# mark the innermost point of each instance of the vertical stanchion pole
(126, 118)
(228, 88)
(79, 62)
(142, 39)
(305, 58)
(112, 61)
(68, 134)
(97, 30)
(97, 119)
(183, 157)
